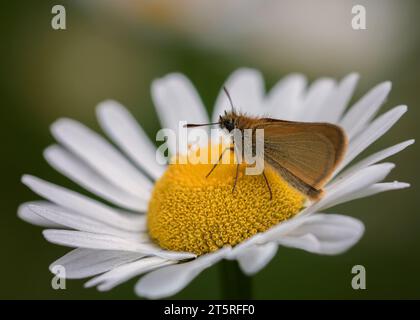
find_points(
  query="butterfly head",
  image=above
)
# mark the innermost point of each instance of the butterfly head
(228, 121)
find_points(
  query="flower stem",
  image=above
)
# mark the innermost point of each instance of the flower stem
(234, 283)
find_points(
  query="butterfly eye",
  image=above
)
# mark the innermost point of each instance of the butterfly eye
(230, 125)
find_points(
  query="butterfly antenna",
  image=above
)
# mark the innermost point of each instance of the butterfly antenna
(230, 98)
(193, 125)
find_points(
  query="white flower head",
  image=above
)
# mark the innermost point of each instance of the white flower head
(129, 236)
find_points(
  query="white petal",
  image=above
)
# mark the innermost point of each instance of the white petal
(124, 130)
(107, 242)
(73, 220)
(353, 183)
(315, 102)
(168, 281)
(279, 230)
(374, 158)
(246, 87)
(176, 100)
(370, 191)
(373, 132)
(365, 109)
(75, 169)
(29, 216)
(89, 240)
(125, 272)
(337, 103)
(82, 263)
(101, 156)
(84, 205)
(325, 234)
(286, 97)
(253, 259)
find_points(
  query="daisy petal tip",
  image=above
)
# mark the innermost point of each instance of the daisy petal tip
(401, 109)
(406, 144)
(359, 231)
(60, 126)
(254, 259)
(96, 281)
(107, 108)
(142, 290)
(88, 284)
(353, 75)
(103, 288)
(52, 266)
(296, 76)
(361, 227)
(60, 123)
(21, 211)
(50, 151)
(350, 79)
(157, 89)
(48, 234)
(387, 85)
(108, 104)
(247, 74)
(247, 272)
(401, 185)
(388, 166)
(384, 88)
(292, 80)
(27, 179)
(247, 71)
(21, 207)
(174, 77)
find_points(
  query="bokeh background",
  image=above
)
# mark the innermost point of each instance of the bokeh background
(114, 49)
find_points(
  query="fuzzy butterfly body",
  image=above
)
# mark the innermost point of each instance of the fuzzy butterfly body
(305, 154)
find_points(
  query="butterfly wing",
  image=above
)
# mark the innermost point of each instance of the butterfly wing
(305, 154)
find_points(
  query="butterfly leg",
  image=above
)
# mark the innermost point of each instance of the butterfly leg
(220, 159)
(268, 185)
(236, 177)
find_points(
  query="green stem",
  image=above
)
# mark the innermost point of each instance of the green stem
(234, 284)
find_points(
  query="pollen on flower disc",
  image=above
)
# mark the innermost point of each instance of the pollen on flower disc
(189, 212)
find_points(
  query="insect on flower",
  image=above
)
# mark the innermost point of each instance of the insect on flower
(305, 154)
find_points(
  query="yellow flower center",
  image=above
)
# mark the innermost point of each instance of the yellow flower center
(192, 213)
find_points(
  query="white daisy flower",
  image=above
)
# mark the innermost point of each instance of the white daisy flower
(177, 223)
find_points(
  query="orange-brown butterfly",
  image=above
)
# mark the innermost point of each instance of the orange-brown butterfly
(305, 154)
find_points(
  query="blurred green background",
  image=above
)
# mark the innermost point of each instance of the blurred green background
(114, 49)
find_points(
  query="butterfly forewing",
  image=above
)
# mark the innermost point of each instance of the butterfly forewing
(305, 154)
